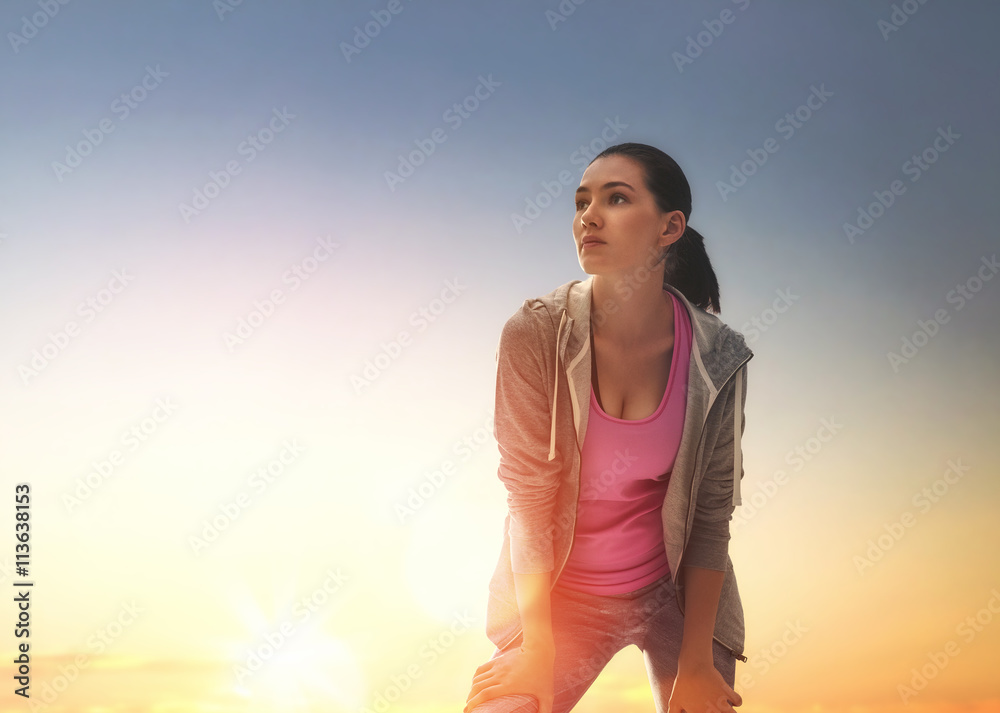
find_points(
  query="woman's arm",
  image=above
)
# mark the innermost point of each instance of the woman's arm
(708, 544)
(698, 683)
(521, 425)
(702, 587)
(527, 670)
(521, 422)
(534, 605)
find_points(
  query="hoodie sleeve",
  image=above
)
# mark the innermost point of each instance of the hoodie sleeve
(708, 545)
(521, 428)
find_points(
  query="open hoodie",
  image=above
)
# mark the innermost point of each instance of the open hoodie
(540, 422)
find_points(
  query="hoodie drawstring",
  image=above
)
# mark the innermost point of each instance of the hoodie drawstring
(555, 391)
(737, 433)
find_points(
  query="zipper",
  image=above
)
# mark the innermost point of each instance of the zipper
(732, 652)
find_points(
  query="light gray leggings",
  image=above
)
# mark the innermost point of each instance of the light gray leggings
(589, 629)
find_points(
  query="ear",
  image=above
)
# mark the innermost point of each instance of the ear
(672, 228)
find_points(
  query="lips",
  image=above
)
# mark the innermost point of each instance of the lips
(590, 239)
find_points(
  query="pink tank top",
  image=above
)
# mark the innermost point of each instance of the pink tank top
(626, 465)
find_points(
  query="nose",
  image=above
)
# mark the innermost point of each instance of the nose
(588, 216)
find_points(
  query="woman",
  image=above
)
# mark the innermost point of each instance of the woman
(619, 412)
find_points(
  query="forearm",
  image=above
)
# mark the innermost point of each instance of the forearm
(702, 589)
(534, 605)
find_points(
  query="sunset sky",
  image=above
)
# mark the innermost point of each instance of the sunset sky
(255, 259)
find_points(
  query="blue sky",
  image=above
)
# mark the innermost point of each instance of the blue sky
(203, 86)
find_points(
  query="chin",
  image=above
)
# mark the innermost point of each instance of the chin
(591, 269)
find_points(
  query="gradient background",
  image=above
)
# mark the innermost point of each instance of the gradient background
(408, 582)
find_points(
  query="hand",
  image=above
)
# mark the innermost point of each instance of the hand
(527, 671)
(700, 688)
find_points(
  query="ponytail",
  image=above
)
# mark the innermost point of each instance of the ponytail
(688, 268)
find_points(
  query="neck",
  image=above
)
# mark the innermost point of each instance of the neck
(634, 313)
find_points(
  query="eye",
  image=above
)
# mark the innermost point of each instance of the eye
(618, 195)
(580, 204)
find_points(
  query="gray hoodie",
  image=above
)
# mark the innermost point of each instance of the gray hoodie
(540, 421)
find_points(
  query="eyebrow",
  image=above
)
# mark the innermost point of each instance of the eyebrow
(609, 184)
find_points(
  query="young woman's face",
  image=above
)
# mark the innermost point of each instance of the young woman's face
(618, 227)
